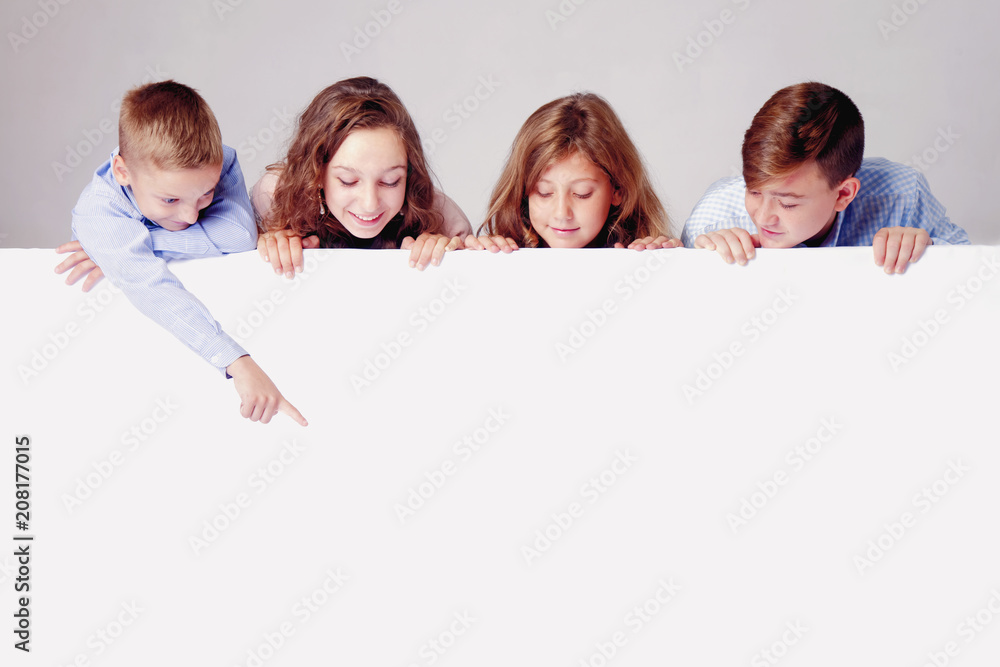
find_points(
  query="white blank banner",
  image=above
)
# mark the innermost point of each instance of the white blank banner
(546, 458)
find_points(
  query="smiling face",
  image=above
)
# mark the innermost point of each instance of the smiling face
(365, 182)
(799, 208)
(172, 198)
(569, 205)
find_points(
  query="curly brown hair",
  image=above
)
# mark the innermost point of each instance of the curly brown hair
(357, 103)
(584, 123)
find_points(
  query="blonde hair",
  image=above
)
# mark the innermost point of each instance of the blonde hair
(581, 123)
(168, 125)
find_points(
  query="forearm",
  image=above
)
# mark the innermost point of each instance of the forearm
(125, 255)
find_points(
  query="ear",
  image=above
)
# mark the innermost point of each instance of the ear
(616, 197)
(120, 171)
(846, 192)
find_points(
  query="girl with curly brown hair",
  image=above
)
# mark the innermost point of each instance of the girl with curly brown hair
(354, 177)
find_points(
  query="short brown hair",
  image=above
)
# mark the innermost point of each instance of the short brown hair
(170, 126)
(807, 121)
(582, 123)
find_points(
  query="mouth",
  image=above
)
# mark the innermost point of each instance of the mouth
(564, 231)
(770, 233)
(366, 221)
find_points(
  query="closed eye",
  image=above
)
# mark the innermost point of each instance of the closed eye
(346, 184)
(393, 184)
(582, 196)
(787, 206)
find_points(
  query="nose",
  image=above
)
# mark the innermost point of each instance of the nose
(189, 214)
(564, 207)
(767, 211)
(369, 199)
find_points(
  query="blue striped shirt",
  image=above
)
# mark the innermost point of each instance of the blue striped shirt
(891, 195)
(133, 252)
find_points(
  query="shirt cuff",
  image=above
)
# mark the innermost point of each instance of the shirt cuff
(222, 351)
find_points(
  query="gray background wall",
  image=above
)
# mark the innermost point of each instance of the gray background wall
(919, 71)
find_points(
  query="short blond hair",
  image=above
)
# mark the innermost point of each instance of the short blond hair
(170, 126)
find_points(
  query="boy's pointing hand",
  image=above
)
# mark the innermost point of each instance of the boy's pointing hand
(260, 399)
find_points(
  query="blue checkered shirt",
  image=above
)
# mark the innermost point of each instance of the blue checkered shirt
(891, 195)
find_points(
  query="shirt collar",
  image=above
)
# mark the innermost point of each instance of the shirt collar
(127, 189)
(831, 236)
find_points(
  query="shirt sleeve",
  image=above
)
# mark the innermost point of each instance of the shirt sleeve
(263, 194)
(121, 245)
(224, 226)
(929, 213)
(723, 206)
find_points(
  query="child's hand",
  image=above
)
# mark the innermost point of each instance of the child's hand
(895, 247)
(284, 250)
(649, 243)
(260, 400)
(732, 244)
(84, 266)
(491, 243)
(429, 248)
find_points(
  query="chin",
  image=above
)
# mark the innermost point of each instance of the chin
(366, 233)
(363, 232)
(772, 243)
